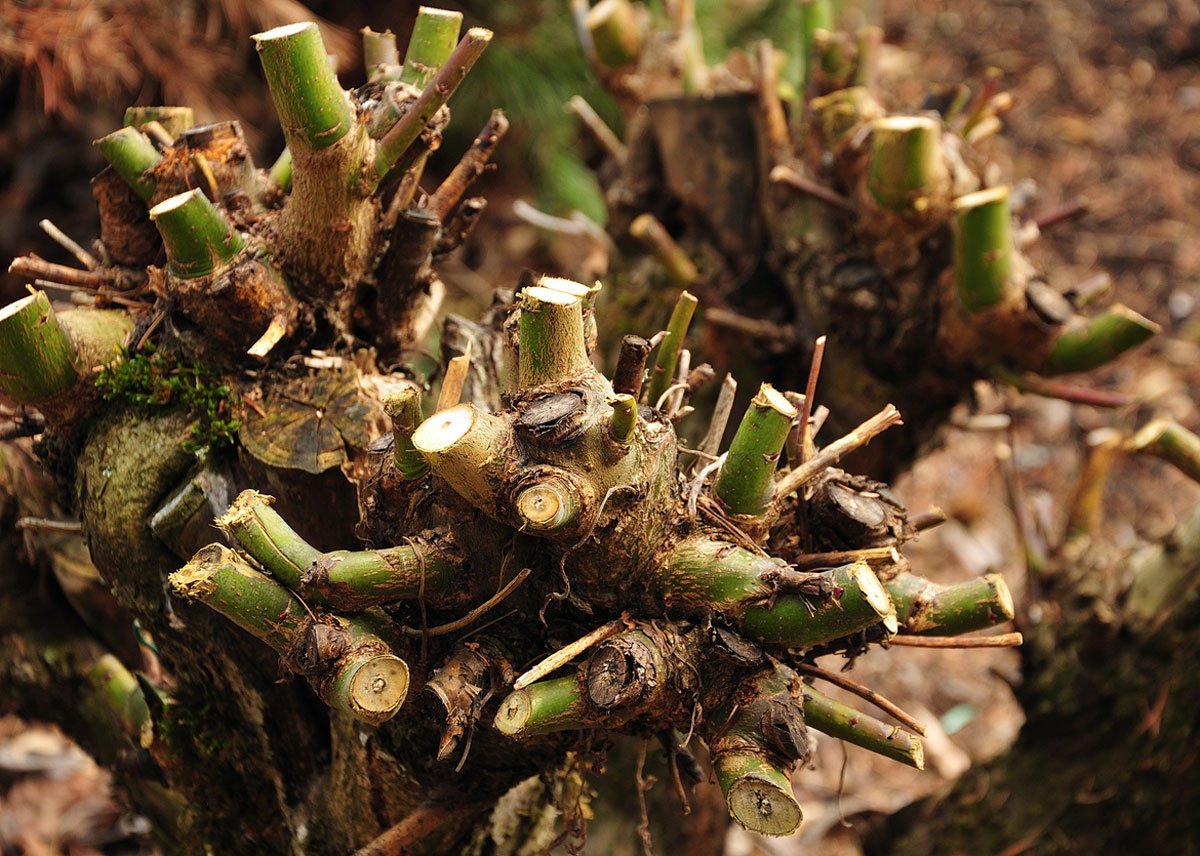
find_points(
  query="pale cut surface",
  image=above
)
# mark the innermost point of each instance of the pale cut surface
(443, 429)
(380, 685)
(981, 197)
(760, 806)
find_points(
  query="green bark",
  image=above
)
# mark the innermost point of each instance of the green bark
(198, 239)
(747, 482)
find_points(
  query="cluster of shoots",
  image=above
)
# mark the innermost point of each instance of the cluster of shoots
(687, 618)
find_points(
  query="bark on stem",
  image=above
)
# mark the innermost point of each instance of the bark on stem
(853, 726)
(706, 576)
(668, 350)
(905, 167)
(343, 579)
(405, 132)
(1101, 340)
(983, 248)
(925, 607)
(747, 482)
(45, 354)
(133, 156)
(196, 236)
(631, 365)
(312, 106)
(434, 36)
(551, 342)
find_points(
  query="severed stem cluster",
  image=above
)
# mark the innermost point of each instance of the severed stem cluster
(889, 232)
(679, 620)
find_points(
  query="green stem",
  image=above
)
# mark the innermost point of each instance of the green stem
(380, 53)
(624, 418)
(312, 106)
(434, 36)
(747, 482)
(617, 32)
(814, 15)
(927, 608)
(542, 708)
(37, 357)
(347, 664)
(133, 156)
(550, 334)
(663, 374)
(983, 248)
(845, 723)
(404, 409)
(757, 735)
(905, 167)
(175, 120)
(115, 692)
(1098, 342)
(45, 354)
(705, 576)
(1170, 441)
(342, 579)
(196, 236)
(406, 131)
(281, 171)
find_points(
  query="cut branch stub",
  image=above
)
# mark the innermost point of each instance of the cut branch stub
(1099, 341)
(466, 447)
(348, 665)
(174, 120)
(663, 374)
(747, 482)
(983, 248)
(312, 106)
(906, 168)
(1170, 441)
(551, 343)
(758, 736)
(618, 31)
(380, 53)
(404, 409)
(133, 156)
(624, 418)
(925, 607)
(706, 576)
(343, 579)
(846, 723)
(542, 708)
(434, 36)
(45, 354)
(550, 505)
(197, 237)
